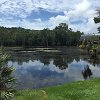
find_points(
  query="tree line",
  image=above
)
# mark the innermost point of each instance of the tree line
(61, 35)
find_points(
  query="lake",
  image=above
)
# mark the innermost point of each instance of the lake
(44, 67)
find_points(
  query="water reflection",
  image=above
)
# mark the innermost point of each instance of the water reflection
(35, 74)
(49, 69)
(87, 72)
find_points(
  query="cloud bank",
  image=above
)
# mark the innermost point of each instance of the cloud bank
(32, 14)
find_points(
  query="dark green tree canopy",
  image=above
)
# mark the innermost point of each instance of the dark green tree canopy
(61, 35)
(97, 19)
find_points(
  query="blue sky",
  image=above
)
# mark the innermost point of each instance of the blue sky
(39, 14)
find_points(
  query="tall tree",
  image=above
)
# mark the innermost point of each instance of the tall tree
(97, 19)
(61, 34)
(45, 35)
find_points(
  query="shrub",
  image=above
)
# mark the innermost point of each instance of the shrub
(6, 79)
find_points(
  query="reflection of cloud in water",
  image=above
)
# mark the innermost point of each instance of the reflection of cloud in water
(36, 64)
(80, 65)
(34, 74)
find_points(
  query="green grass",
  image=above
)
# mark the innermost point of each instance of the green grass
(82, 90)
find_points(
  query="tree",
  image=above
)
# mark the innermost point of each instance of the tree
(44, 34)
(97, 19)
(6, 80)
(61, 34)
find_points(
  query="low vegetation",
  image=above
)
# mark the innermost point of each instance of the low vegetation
(6, 79)
(82, 90)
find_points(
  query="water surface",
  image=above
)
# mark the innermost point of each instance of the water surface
(50, 67)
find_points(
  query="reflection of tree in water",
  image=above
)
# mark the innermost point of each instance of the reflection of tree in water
(44, 59)
(94, 62)
(20, 58)
(94, 57)
(60, 60)
(87, 72)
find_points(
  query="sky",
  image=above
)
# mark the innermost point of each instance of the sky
(39, 14)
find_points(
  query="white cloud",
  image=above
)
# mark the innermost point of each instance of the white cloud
(18, 8)
(83, 6)
(54, 21)
(83, 11)
(76, 10)
(38, 20)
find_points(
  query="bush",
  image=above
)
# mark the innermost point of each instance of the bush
(6, 79)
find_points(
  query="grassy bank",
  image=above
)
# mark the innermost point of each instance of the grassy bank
(82, 90)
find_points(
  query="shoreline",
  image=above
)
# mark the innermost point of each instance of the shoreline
(81, 90)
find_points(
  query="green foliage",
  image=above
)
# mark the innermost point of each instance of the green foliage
(98, 29)
(97, 19)
(59, 36)
(82, 90)
(6, 80)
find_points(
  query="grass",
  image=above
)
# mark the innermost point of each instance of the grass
(82, 90)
